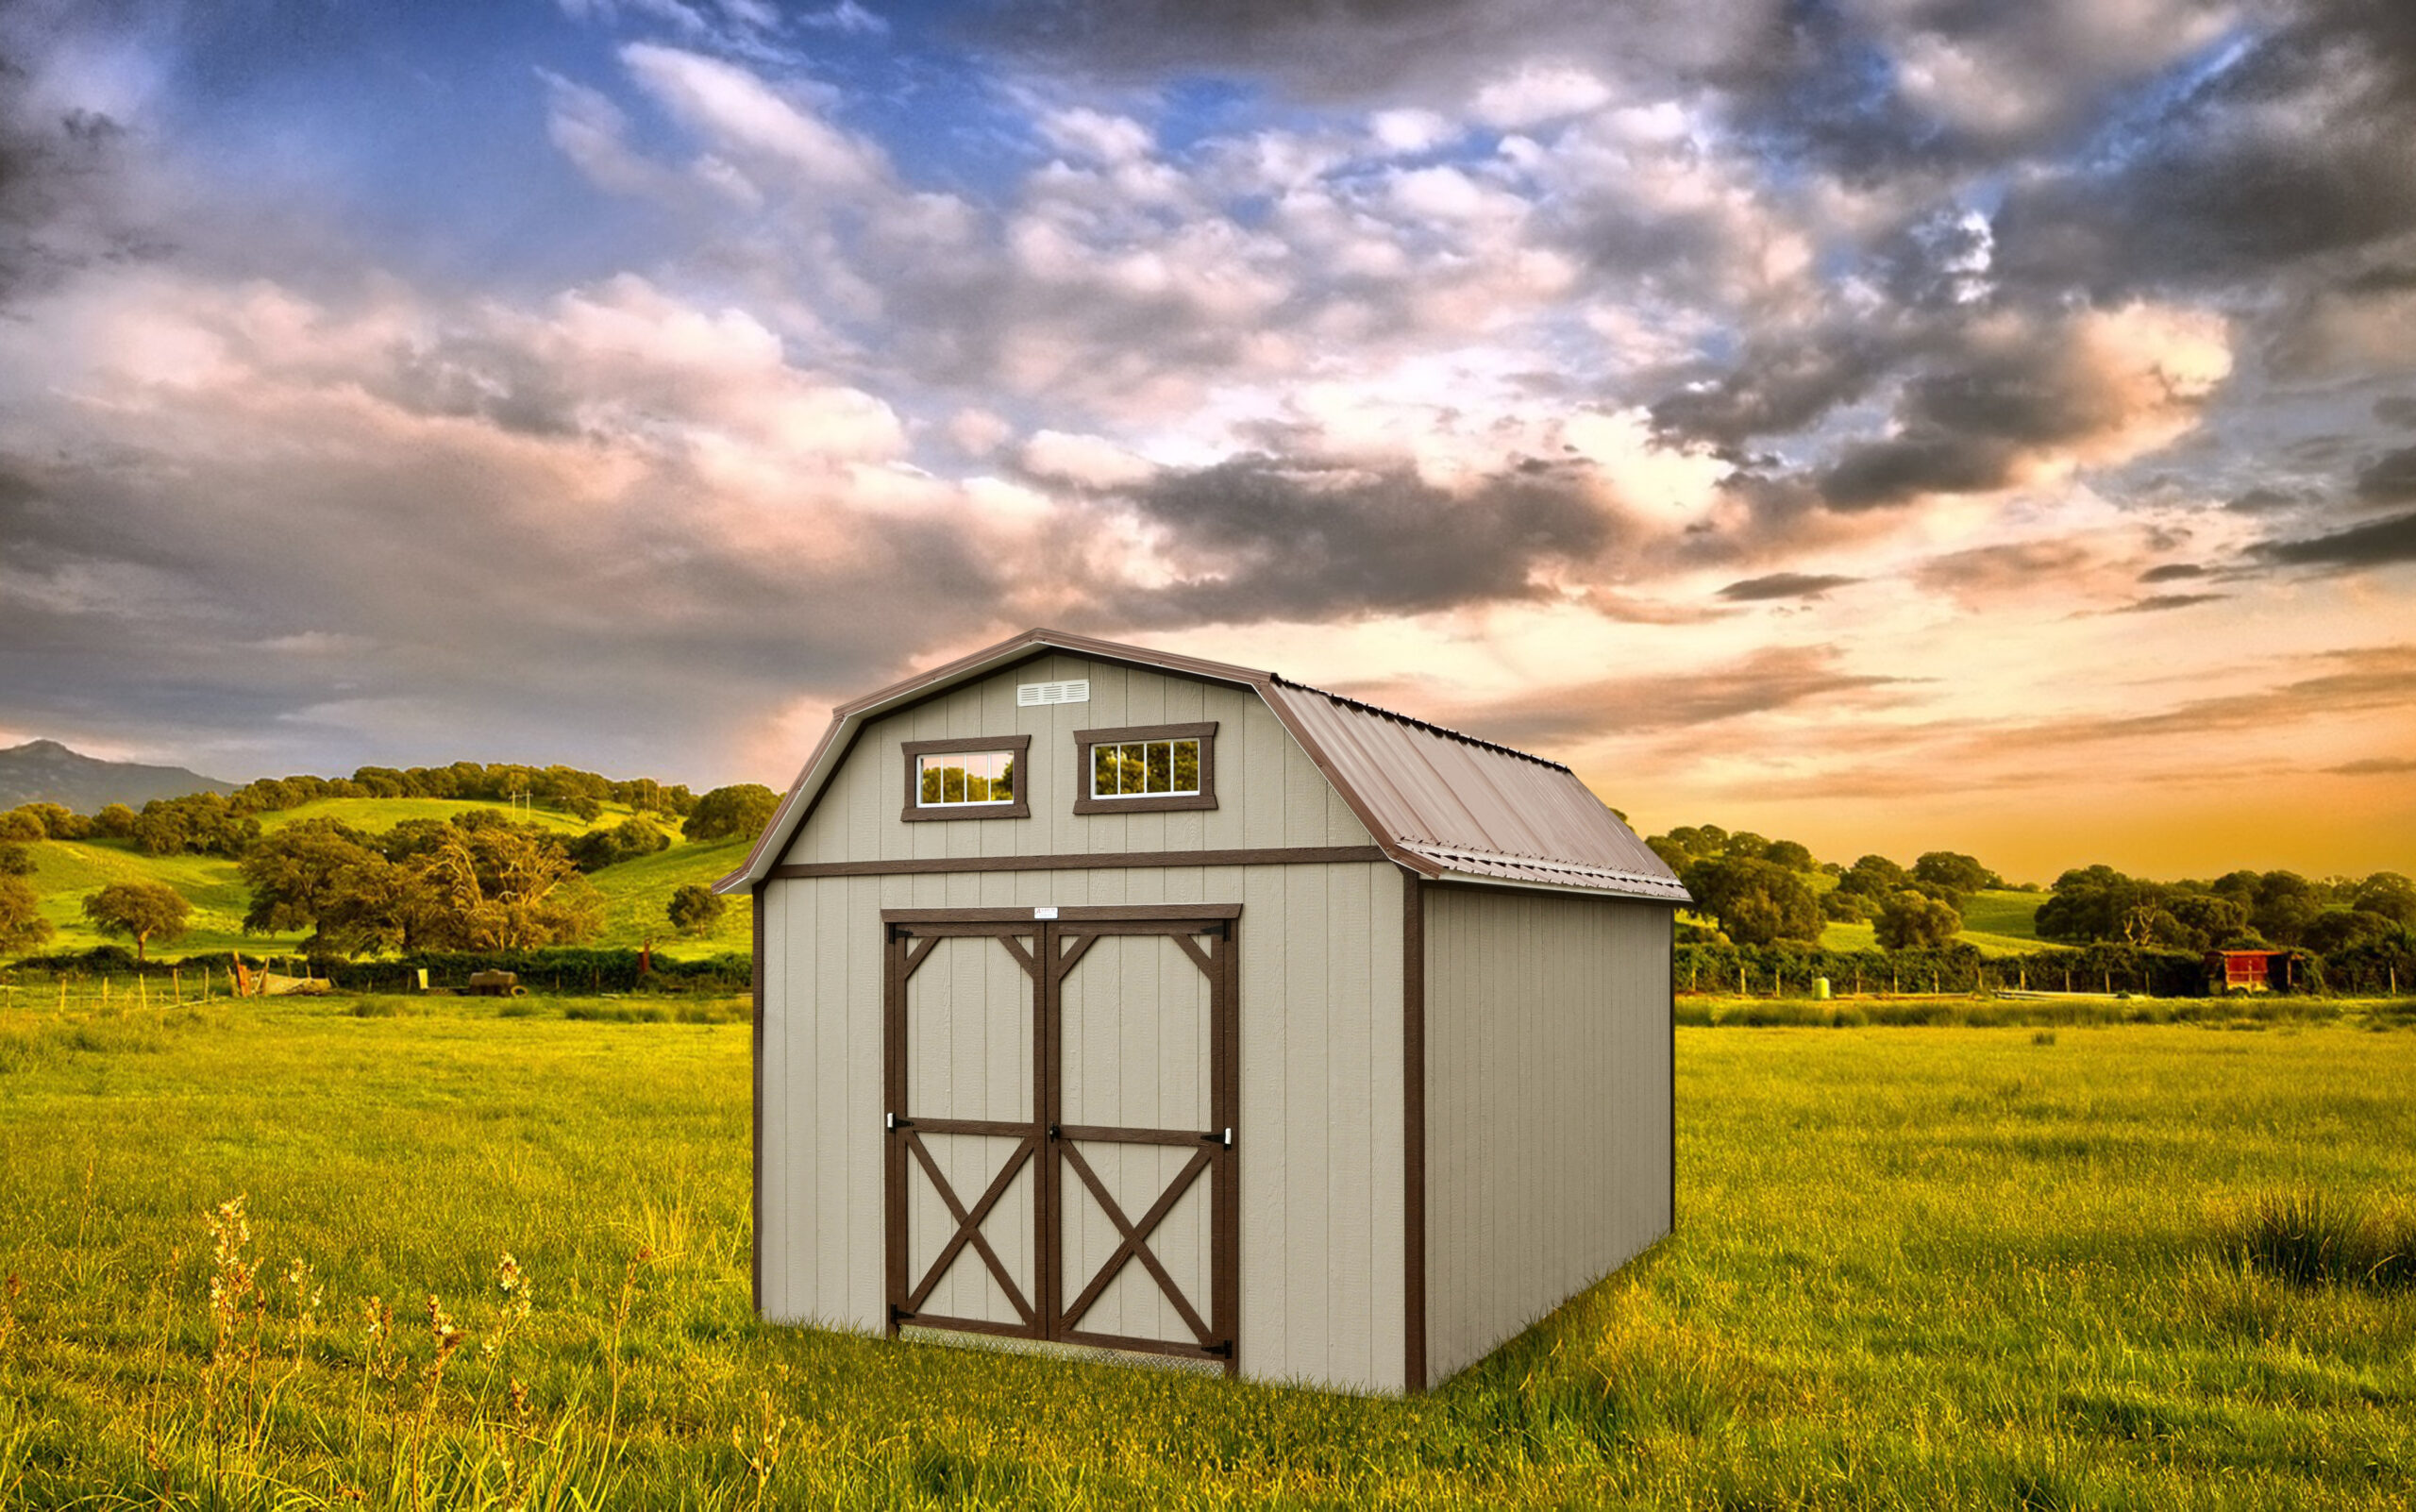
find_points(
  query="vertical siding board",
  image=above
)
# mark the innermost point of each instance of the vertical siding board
(1558, 1095)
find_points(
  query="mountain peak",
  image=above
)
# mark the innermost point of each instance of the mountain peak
(46, 771)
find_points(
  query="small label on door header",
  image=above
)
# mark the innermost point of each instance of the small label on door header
(1045, 911)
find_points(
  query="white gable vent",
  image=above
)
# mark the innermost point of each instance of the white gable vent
(1032, 693)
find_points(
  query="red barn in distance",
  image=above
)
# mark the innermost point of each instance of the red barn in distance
(2250, 970)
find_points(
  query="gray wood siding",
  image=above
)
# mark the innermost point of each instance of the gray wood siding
(1548, 1115)
(1268, 792)
(1320, 1138)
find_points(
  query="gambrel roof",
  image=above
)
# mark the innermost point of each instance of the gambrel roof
(1444, 804)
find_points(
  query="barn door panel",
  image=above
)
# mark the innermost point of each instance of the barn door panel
(963, 1130)
(1143, 1168)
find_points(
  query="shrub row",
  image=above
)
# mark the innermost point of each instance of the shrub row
(566, 968)
(1782, 969)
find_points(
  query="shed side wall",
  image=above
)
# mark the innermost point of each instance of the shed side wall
(1548, 1114)
(1321, 1140)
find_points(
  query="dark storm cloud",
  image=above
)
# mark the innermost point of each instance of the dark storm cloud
(1263, 538)
(2397, 409)
(55, 204)
(1782, 382)
(2268, 500)
(1783, 585)
(2158, 603)
(2381, 544)
(2173, 572)
(2301, 148)
(1766, 682)
(2392, 478)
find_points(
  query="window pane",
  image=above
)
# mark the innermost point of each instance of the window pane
(1186, 766)
(977, 787)
(952, 783)
(1003, 787)
(930, 793)
(1161, 766)
(1128, 771)
(1102, 771)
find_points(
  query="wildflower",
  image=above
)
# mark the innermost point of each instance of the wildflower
(308, 1296)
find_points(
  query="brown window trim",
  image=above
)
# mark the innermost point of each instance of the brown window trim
(1019, 808)
(1162, 802)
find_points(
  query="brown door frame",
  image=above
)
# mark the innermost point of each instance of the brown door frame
(1049, 948)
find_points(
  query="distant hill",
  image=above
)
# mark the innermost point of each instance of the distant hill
(44, 771)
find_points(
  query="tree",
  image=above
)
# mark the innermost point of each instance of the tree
(18, 826)
(142, 911)
(1912, 920)
(16, 861)
(742, 809)
(695, 909)
(1955, 872)
(503, 886)
(2286, 905)
(2389, 894)
(2212, 919)
(2345, 929)
(300, 873)
(1845, 907)
(1874, 877)
(22, 926)
(1754, 901)
(625, 841)
(1791, 854)
(115, 822)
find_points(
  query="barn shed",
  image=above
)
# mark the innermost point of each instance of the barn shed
(1120, 999)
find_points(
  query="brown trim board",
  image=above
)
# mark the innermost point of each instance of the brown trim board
(1104, 912)
(1085, 861)
(755, 1238)
(1413, 1079)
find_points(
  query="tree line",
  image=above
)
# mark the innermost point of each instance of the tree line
(478, 881)
(1759, 891)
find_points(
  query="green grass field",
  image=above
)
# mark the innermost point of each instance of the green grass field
(1914, 1268)
(636, 892)
(1996, 923)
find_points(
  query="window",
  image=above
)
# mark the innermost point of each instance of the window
(979, 779)
(1151, 767)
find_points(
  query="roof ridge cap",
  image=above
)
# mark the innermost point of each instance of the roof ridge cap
(1428, 724)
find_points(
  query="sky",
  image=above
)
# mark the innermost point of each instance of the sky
(1893, 424)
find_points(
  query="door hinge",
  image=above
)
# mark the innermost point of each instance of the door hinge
(1052, 1132)
(893, 1122)
(1211, 1138)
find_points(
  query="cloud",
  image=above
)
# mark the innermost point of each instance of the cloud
(1261, 537)
(2159, 603)
(2173, 572)
(2378, 544)
(2029, 400)
(1784, 585)
(2374, 766)
(2390, 479)
(1983, 575)
(2397, 409)
(1771, 680)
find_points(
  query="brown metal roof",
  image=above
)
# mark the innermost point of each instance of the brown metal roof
(1441, 803)
(1468, 806)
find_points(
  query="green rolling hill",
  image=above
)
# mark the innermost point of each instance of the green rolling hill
(635, 892)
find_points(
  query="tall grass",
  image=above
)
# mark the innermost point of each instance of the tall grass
(487, 1261)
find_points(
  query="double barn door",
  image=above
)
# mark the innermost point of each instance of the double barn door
(1060, 1124)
